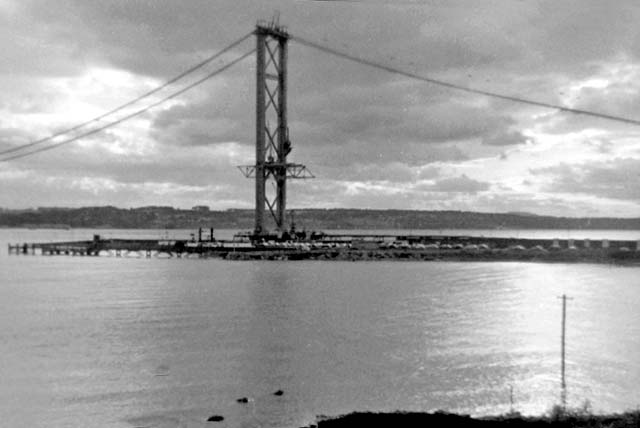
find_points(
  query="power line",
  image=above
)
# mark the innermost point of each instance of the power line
(460, 87)
(134, 114)
(129, 103)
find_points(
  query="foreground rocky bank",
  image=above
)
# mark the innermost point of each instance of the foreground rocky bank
(441, 419)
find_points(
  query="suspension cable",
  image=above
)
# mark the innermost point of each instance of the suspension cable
(133, 101)
(134, 114)
(450, 85)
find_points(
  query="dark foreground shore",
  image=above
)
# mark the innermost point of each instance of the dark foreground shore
(441, 419)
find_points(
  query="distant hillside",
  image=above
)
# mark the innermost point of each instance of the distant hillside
(311, 219)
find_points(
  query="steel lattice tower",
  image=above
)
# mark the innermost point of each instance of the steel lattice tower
(272, 142)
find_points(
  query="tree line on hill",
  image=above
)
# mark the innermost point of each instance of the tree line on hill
(158, 217)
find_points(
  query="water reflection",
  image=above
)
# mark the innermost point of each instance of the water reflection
(87, 336)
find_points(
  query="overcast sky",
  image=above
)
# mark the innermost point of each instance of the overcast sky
(373, 139)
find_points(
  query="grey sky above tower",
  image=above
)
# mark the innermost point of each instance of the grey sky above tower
(373, 139)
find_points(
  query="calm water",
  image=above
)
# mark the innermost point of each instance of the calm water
(127, 342)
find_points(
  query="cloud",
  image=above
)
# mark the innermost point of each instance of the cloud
(505, 138)
(372, 138)
(461, 184)
(197, 167)
(394, 172)
(400, 112)
(616, 179)
(611, 89)
(219, 111)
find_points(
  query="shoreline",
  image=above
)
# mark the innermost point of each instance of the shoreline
(626, 258)
(556, 418)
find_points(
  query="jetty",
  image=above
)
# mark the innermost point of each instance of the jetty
(320, 246)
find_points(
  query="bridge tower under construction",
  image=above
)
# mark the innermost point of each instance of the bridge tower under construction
(272, 131)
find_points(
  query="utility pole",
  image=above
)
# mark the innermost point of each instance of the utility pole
(511, 399)
(563, 383)
(272, 142)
